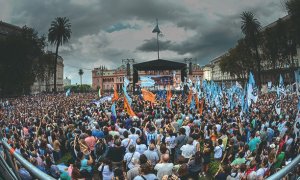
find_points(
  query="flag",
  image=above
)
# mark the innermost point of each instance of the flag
(281, 86)
(297, 125)
(148, 96)
(201, 107)
(127, 107)
(197, 101)
(269, 86)
(297, 78)
(68, 93)
(99, 93)
(116, 96)
(113, 110)
(126, 82)
(277, 106)
(147, 82)
(169, 96)
(156, 28)
(238, 85)
(126, 95)
(192, 105)
(190, 97)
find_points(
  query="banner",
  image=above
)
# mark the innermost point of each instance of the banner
(147, 81)
(148, 96)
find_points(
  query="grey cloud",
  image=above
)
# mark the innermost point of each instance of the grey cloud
(151, 45)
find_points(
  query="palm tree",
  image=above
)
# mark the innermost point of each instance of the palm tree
(80, 72)
(250, 27)
(59, 33)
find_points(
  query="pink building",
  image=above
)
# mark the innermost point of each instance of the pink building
(107, 79)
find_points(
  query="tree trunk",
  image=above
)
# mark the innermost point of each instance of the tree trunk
(80, 80)
(55, 65)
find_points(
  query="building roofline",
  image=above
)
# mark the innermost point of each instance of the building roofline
(10, 25)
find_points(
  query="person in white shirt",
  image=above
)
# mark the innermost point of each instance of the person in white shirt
(164, 167)
(133, 136)
(188, 150)
(131, 156)
(126, 142)
(141, 148)
(218, 150)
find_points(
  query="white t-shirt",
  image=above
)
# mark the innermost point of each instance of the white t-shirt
(187, 150)
(106, 173)
(141, 148)
(261, 172)
(170, 141)
(133, 137)
(129, 158)
(126, 143)
(218, 151)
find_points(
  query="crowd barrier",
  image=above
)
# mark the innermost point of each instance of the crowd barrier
(288, 171)
(11, 156)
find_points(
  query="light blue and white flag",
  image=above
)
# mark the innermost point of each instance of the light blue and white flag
(113, 110)
(297, 78)
(269, 86)
(68, 93)
(126, 81)
(281, 86)
(147, 81)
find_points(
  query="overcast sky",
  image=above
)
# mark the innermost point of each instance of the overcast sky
(106, 31)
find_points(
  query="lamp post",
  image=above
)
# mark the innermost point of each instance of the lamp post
(128, 62)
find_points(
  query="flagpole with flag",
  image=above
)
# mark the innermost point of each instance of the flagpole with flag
(157, 31)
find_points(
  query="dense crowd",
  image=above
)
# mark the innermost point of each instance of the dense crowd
(157, 143)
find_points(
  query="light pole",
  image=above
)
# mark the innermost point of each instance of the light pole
(128, 62)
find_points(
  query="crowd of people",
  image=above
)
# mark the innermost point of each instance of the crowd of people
(157, 143)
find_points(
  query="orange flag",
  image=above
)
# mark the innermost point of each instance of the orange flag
(116, 96)
(197, 100)
(201, 106)
(190, 97)
(169, 96)
(128, 108)
(148, 96)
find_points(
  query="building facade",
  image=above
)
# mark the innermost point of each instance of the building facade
(38, 86)
(108, 79)
(67, 82)
(268, 72)
(47, 85)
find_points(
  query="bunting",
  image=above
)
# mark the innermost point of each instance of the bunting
(148, 96)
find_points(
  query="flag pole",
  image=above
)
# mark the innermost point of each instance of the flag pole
(157, 46)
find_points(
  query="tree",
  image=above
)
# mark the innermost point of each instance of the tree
(250, 27)
(18, 54)
(238, 61)
(80, 72)
(59, 33)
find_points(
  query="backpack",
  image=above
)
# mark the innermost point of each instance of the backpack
(99, 150)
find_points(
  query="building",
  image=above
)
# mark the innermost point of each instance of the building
(108, 79)
(268, 73)
(207, 72)
(216, 74)
(67, 82)
(6, 29)
(47, 85)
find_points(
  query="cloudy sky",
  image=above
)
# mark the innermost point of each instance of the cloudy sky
(106, 31)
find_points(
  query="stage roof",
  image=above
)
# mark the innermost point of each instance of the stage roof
(159, 64)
